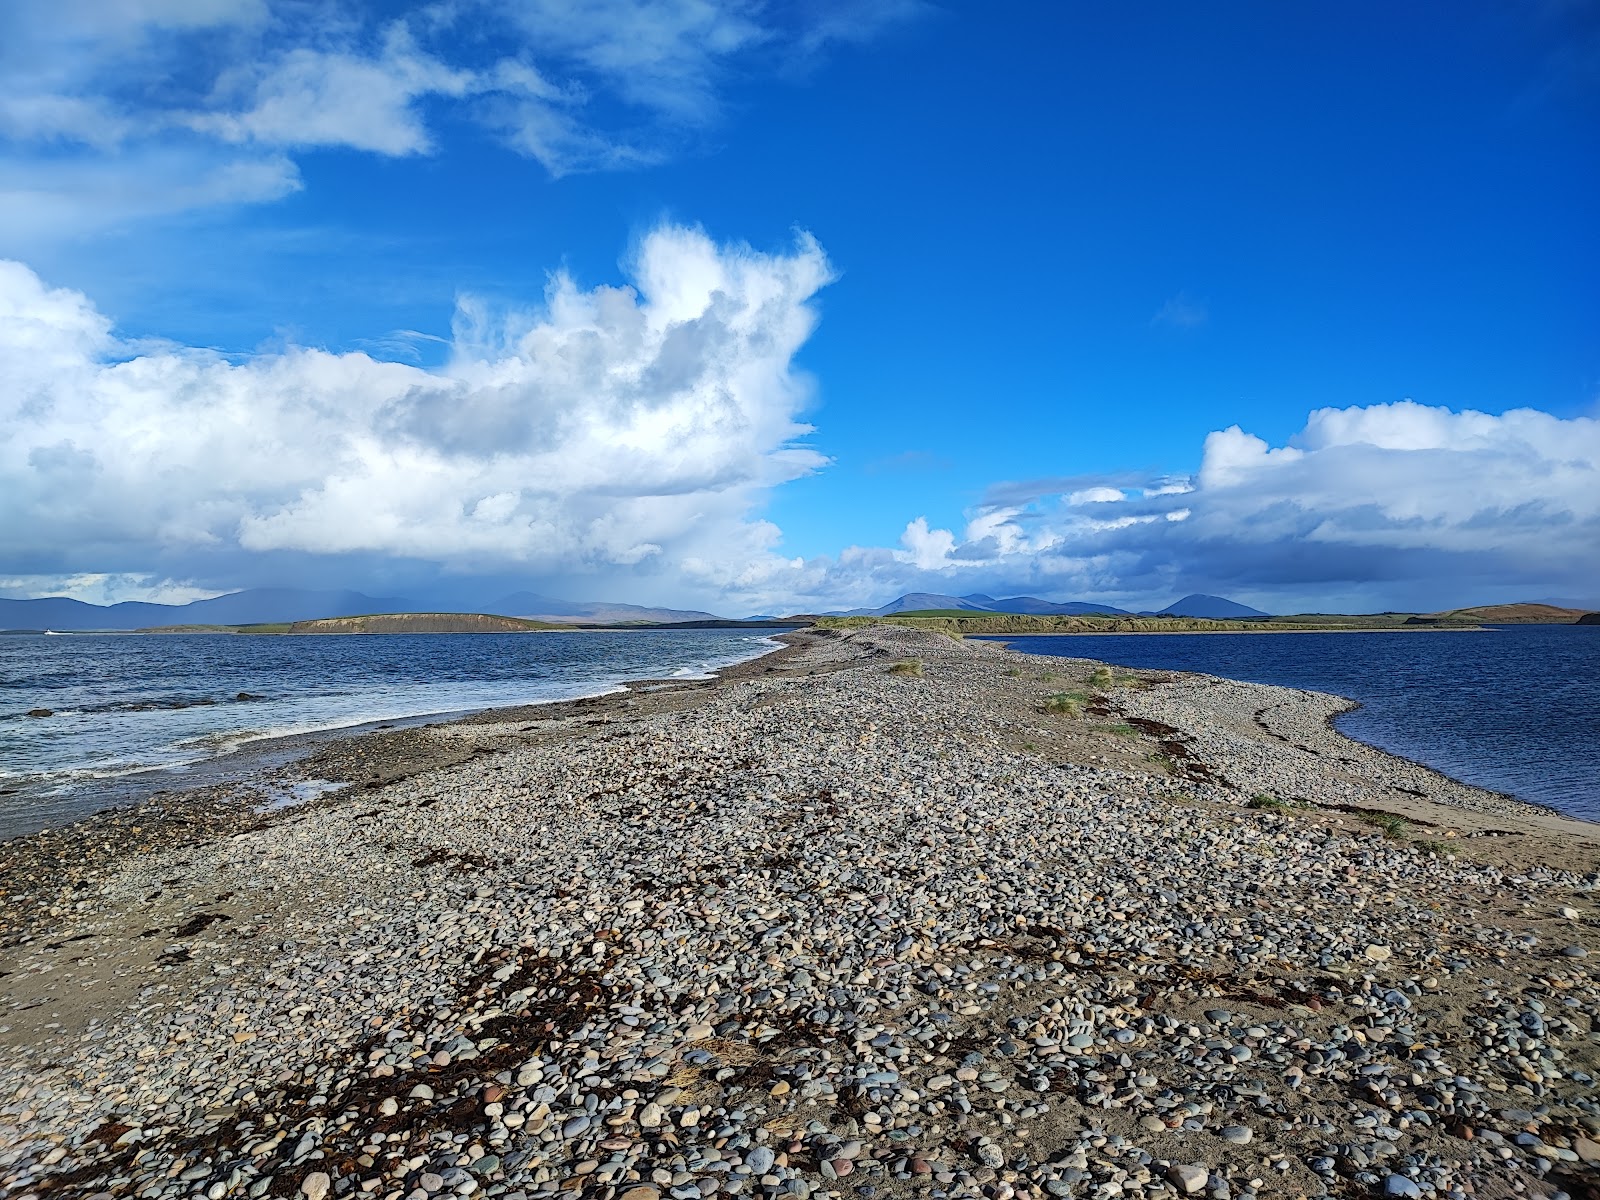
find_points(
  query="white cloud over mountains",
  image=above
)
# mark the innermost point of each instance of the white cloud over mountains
(1389, 500)
(614, 426)
(631, 436)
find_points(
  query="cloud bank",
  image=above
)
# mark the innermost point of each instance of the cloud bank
(631, 436)
(1397, 503)
(611, 427)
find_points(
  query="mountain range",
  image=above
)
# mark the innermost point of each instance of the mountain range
(257, 606)
(263, 606)
(1195, 605)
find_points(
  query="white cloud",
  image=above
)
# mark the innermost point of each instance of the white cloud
(1095, 495)
(102, 588)
(48, 198)
(617, 426)
(310, 97)
(93, 93)
(1380, 505)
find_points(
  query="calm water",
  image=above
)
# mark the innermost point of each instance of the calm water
(129, 710)
(1516, 709)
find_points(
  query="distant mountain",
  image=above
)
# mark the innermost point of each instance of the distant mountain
(1034, 606)
(535, 607)
(1214, 607)
(255, 606)
(916, 602)
(977, 602)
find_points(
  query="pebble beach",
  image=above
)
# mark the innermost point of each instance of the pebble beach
(883, 914)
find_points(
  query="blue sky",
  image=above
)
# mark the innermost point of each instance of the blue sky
(923, 298)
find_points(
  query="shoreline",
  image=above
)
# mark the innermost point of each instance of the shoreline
(1077, 633)
(813, 924)
(267, 753)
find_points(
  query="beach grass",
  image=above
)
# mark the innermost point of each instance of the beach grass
(1392, 824)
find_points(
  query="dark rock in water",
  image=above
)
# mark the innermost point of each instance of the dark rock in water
(248, 696)
(1589, 619)
(41, 712)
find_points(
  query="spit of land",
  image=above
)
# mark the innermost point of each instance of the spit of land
(883, 914)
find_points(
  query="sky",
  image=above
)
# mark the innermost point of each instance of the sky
(751, 306)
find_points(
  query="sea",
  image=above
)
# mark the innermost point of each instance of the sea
(1511, 708)
(135, 713)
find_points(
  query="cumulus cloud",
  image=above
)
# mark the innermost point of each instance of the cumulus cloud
(614, 426)
(1366, 504)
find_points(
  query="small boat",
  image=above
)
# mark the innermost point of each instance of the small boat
(53, 633)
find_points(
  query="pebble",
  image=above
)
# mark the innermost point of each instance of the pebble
(809, 927)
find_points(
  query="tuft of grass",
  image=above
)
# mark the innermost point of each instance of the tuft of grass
(1013, 672)
(1066, 704)
(1392, 825)
(912, 666)
(1434, 847)
(1102, 678)
(1127, 731)
(1029, 746)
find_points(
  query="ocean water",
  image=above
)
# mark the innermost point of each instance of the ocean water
(136, 712)
(1514, 709)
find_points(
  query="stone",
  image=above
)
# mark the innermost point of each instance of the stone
(1586, 1149)
(1188, 1178)
(642, 1192)
(1239, 1135)
(315, 1185)
(990, 1155)
(1378, 953)
(760, 1159)
(1399, 1185)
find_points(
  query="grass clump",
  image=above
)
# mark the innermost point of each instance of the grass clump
(1392, 824)
(1102, 678)
(912, 666)
(1119, 730)
(1449, 849)
(1064, 704)
(1069, 704)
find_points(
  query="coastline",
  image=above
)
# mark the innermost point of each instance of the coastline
(252, 755)
(820, 920)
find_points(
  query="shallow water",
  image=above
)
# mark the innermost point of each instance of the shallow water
(128, 705)
(1515, 709)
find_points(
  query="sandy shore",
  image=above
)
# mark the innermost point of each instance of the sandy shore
(818, 928)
